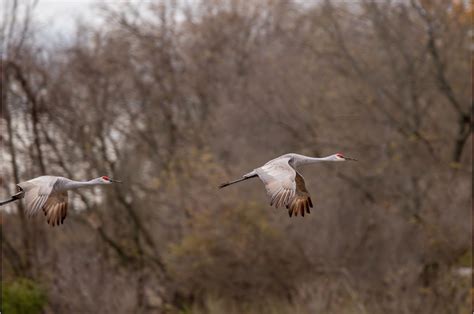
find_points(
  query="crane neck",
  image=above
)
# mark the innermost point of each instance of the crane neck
(72, 184)
(312, 160)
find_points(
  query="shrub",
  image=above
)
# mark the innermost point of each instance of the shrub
(22, 296)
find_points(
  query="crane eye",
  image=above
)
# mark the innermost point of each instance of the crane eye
(106, 178)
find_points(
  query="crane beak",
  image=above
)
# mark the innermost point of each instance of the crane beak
(353, 159)
(115, 181)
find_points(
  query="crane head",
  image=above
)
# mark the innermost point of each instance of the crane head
(341, 157)
(108, 180)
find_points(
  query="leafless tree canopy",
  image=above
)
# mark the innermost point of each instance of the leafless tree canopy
(174, 97)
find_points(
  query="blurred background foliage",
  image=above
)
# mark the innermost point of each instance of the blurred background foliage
(22, 296)
(175, 97)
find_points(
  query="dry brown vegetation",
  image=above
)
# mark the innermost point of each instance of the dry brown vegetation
(174, 98)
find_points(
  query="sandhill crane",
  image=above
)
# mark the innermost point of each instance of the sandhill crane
(49, 193)
(284, 184)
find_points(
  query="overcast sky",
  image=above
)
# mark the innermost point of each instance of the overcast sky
(58, 17)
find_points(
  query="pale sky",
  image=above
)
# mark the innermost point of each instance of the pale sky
(58, 17)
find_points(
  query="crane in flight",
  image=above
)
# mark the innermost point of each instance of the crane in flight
(284, 184)
(50, 194)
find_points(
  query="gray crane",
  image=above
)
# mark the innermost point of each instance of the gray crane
(50, 194)
(284, 184)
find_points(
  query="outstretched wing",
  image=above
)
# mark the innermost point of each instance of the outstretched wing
(285, 186)
(37, 192)
(278, 177)
(36, 196)
(55, 208)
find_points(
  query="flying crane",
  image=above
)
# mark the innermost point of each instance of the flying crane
(284, 184)
(50, 194)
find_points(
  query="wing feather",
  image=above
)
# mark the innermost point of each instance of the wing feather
(277, 176)
(302, 200)
(37, 192)
(55, 208)
(34, 205)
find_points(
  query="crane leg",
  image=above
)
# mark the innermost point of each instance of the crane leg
(13, 198)
(246, 177)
